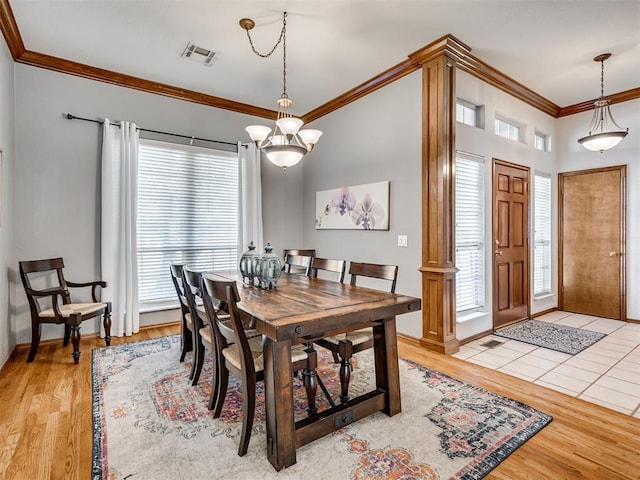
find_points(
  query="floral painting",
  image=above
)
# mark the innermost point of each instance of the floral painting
(361, 207)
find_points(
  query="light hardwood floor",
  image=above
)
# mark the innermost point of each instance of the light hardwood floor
(46, 430)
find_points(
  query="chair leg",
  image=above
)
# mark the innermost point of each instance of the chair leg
(194, 364)
(187, 340)
(36, 329)
(198, 362)
(335, 357)
(75, 320)
(346, 351)
(107, 324)
(248, 410)
(222, 391)
(310, 379)
(67, 335)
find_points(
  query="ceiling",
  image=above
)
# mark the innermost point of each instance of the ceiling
(335, 45)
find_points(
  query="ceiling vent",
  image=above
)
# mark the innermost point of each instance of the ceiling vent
(199, 54)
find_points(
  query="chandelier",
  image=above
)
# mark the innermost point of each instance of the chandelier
(601, 133)
(287, 144)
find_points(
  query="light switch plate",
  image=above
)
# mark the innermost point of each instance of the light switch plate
(402, 240)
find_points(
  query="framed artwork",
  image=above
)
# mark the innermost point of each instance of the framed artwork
(360, 207)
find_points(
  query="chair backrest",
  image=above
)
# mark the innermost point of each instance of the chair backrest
(176, 277)
(216, 288)
(372, 270)
(328, 265)
(309, 252)
(191, 281)
(44, 268)
(297, 264)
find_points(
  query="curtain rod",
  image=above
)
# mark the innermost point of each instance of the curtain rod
(69, 116)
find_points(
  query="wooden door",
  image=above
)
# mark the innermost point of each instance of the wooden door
(510, 243)
(592, 242)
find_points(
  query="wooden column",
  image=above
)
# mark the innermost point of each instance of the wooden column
(438, 62)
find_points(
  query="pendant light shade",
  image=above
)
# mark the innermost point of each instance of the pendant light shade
(603, 132)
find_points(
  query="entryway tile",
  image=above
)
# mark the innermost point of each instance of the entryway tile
(587, 365)
(557, 388)
(576, 321)
(536, 361)
(518, 368)
(574, 372)
(596, 358)
(490, 358)
(603, 403)
(573, 384)
(631, 389)
(604, 325)
(518, 346)
(557, 357)
(613, 397)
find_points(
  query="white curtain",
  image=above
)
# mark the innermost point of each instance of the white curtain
(250, 224)
(119, 209)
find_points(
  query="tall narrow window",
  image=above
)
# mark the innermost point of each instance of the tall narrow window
(187, 213)
(469, 233)
(542, 234)
(541, 142)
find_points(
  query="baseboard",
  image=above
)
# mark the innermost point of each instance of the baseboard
(409, 339)
(544, 312)
(632, 320)
(475, 337)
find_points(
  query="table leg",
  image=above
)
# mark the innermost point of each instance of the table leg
(278, 384)
(385, 344)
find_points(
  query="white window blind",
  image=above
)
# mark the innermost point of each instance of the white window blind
(187, 213)
(542, 234)
(469, 233)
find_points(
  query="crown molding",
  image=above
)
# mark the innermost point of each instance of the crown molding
(10, 30)
(620, 97)
(61, 65)
(447, 45)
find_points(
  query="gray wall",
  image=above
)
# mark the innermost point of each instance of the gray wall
(7, 219)
(375, 139)
(57, 175)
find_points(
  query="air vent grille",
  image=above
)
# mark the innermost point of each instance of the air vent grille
(199, 54)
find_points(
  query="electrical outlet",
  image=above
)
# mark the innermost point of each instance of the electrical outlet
(402, 240)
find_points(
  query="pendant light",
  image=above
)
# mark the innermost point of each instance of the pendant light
(603, 132)
(287, 144)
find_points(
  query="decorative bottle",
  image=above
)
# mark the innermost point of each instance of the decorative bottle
(269, 268)
(248, 264)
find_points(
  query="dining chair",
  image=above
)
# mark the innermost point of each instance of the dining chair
(345, 345)
(298, 264)
(198, 320)
(69, 313)
(243, 356)
(186, 333)
(327, 265)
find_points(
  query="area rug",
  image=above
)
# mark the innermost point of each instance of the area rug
(150, 423)
(561, 338)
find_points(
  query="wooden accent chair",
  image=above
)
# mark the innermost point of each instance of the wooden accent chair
(68, 313)
(243, 357)
(297, 264)
(347, 344)
(186, 333)
(328, 265)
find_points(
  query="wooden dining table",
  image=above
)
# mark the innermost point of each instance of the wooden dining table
(303, 309)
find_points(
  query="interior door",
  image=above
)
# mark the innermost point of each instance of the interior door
(510, 243)
(592, 242)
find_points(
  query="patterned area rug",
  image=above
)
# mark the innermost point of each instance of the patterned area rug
(561, 338)
(150, 423)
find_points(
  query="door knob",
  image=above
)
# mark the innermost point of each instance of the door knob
(613, 254)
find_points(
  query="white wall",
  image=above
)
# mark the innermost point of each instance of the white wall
(375, 139)
(7, 219)
(57, 176)
(486, 143)
(572, 156)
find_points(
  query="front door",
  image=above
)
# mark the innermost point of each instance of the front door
(592, 242)
(510, 243)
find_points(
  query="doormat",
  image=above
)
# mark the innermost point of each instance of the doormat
(560, 338)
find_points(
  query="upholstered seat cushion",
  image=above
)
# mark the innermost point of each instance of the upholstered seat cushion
(67, 310)
(205, 333)
(232, 354)
(356, 337)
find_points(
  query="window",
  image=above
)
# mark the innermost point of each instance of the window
(469, 114)
(187, 212)
(469, 233)
(541, 142)
(507, 129)
(542, 234)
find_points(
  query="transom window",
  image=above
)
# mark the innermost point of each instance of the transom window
(187, 213)
(541, 142)
(467, 113)
(507, 129)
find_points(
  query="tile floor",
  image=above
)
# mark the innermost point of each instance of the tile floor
(607, 373)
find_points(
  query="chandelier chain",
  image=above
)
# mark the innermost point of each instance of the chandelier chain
(602, 78)
(282, 36)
